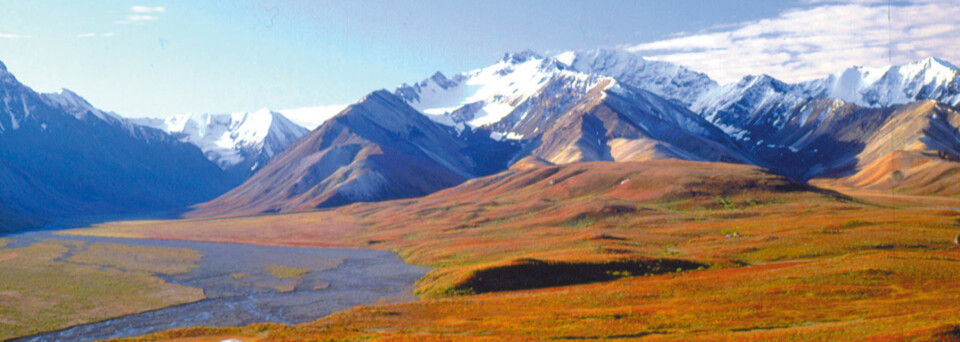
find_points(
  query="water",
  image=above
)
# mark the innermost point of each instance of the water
(340, 278)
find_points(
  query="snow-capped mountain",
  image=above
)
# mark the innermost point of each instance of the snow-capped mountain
(927, 79)
(753, 103)
(237, 142)
(779, 122)
(485, 96)
(77, 106)
(773, 123)
(60, 157)
(759, 101)
(668, 80)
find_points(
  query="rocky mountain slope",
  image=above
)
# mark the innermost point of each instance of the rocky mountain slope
(60, 157)
(379, 148)
(621, 107)
(821, 127)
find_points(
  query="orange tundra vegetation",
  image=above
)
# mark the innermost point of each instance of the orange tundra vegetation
(659, 250)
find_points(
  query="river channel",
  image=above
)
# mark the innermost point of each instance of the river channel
(339, 278)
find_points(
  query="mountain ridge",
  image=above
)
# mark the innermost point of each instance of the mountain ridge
(60, 158)
(376, 149)
(575, 106)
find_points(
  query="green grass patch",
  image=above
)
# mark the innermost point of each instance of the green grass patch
(581, 222)
(287, 272)
(40, 293)
(139, 258)
(725, 201)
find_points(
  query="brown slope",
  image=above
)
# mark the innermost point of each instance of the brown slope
(905, 172)
(829, 138)
(553, 213)
(913, 152)
(374, 150)
(804, 265)
(926, 126)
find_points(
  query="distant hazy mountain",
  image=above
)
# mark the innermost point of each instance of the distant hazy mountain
(238, 143)
(60, 157)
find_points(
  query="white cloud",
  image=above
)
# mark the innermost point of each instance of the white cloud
(147, 9)
(810, 42)
(94, 35)
(10, 36)
(142, 14)
(137, 19)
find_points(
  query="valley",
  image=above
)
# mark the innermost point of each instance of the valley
(85, 289)
(661, 250)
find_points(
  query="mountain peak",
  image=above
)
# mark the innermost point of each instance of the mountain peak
(520, 57)
(3, 67)
(70, 95)
(238, 142)
(931, 61)
(379, 95)
(665, 79)
(382, 107)
(75, 104)
(441, 80)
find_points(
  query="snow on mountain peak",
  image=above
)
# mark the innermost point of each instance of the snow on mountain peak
(482, 96)
(75, 105)
(520, 57)
(929, 78)
(66, 97)
(487, 95)
(232, 138)
(666, 79)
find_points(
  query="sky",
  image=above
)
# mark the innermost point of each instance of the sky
(160, 58)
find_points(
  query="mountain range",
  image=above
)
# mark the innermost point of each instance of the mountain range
(855, 126)
(61, 157)
(613, 105)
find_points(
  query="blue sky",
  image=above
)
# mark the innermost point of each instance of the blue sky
(158, 58)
